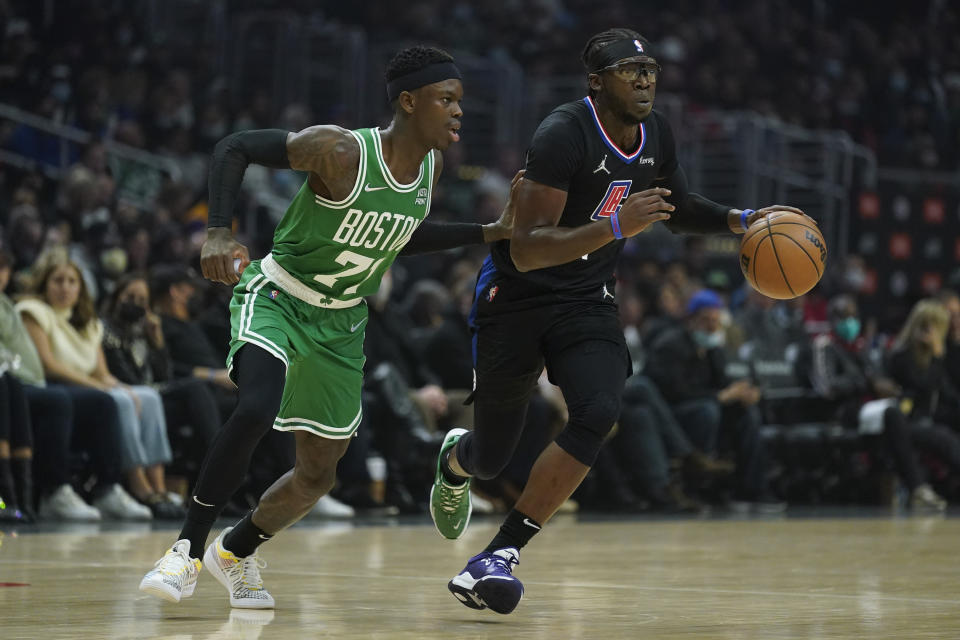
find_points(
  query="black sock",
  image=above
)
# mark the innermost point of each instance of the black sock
(196, 528)
(448, 473)
(245, 537)
(8, 491)
(515, 532)
(23, 479)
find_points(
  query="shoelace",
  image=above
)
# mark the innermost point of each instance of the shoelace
(503, 563)
(450, 498)
(172, 557)
(248, 572)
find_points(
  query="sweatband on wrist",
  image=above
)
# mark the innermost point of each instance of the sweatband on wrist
(743, 217)
(615, 223)
(428, 75)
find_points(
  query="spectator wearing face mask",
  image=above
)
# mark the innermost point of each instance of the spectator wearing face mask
(687, 362)
(861, 396)
(136, 353)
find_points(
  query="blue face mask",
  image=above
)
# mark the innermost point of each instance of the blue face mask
(848, 329)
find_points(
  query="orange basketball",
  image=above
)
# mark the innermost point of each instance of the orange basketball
(783, 255)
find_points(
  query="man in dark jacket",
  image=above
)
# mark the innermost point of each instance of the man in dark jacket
(687, 363)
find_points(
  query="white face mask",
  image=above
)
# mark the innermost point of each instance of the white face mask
(709, 340)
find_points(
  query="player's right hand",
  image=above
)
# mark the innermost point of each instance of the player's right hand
(642, 209)
(218, 254)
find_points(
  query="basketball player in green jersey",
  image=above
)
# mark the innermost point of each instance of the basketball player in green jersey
(297, 315)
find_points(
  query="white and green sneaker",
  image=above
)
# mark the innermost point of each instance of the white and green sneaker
(450, 505)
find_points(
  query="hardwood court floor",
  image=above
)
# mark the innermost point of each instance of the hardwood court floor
(880, 577)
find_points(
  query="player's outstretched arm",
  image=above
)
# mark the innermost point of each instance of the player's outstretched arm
(698, 214)
(440, 236)
(537, 242)
(694, 212)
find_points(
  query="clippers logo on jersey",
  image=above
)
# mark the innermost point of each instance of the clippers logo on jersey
(639, 46)
(492, 293)
(617, 192)
(273, 294)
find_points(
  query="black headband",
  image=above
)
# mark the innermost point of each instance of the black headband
(618, 50)
(436, 72)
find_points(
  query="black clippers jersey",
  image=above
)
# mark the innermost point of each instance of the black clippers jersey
(572, 152)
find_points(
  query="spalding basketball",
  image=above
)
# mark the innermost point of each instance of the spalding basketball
(783, 255)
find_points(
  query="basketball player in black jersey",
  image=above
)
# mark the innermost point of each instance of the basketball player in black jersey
(599, 170)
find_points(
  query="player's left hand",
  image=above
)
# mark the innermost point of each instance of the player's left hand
(775, 208)
(503, 227)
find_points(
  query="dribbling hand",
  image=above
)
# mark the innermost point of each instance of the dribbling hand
(775, 208)
(501, 229)
(642, 209)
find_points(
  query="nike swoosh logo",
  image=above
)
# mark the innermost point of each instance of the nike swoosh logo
(353, 328)
(368, 188)
(527, 522)
(202, 504)
(263, 537)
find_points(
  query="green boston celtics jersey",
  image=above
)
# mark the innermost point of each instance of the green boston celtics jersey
(342, 249)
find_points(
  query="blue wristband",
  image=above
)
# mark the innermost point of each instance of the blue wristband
(615, 223)
(743, 217)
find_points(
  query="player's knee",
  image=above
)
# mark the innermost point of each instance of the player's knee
(254, 414)
(315, 482)
(489, 467)
(316, 468)
(483, 455)
(596, 413)
(590, 422)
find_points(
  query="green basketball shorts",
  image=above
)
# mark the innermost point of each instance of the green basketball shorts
(321, 348)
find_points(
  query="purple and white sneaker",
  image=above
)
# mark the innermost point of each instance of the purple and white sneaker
(488, 581)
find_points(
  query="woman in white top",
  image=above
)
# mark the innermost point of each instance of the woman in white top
(62, 322)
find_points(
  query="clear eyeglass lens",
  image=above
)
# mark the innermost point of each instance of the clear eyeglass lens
(632, 72)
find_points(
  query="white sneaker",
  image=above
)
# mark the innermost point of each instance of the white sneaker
(65, 504)
(240, 576)
(117, 503)
(175, 574)
(925, 498)
(330, 507)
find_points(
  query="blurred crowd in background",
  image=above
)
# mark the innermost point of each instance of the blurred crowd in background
(737, 401)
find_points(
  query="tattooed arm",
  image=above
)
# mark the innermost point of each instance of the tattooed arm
(329, 154)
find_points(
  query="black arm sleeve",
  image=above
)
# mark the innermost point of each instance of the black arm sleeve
(439, 236)
(267, 147)
(694, 213)
(556, 152)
